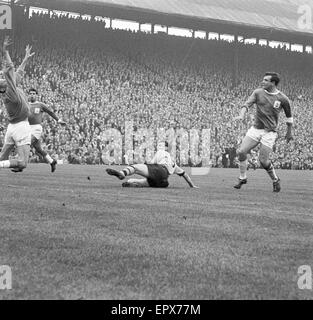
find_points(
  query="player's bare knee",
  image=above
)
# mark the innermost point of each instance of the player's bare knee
(265, 163)
(242, 156)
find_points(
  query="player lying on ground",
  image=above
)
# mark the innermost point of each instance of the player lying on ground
(155, 174)
(269, 103)
(35, 119)
(18, 132)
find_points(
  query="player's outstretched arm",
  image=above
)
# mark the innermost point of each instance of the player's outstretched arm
(189, 181)
(179, 171)
(46, 109)
(251, 101)
(287, 108)
(289, 135)
(6, 43)
(28, 55)
(9, 71)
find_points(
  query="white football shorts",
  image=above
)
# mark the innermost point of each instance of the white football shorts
(18, 133)
(36, 130)
(267, 138)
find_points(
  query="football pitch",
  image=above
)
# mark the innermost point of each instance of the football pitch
(77, 234)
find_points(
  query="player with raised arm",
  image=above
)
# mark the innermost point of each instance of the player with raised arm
(269, 103)
(155, 174)
(35, 118)
(21, 69)
(18, 132)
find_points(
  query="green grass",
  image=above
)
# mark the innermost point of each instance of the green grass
(67, 237)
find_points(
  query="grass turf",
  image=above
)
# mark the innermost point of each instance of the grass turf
(69, 237)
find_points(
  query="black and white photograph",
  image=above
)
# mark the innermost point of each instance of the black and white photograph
(156, 151)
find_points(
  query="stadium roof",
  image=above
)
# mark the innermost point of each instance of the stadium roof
(266, 17)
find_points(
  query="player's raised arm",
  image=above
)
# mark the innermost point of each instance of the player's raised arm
(287, 108)
(46, 109)
(7, 58)
(251, 100)
(28, 54)
(9, 73)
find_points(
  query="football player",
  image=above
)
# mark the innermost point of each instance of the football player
(270, 102)
(18, 132)
(155, 174)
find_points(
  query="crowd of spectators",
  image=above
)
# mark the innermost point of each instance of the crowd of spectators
(97, 78)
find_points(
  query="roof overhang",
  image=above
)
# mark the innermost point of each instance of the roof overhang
(276, 21)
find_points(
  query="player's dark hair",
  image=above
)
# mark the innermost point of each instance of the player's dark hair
(274, 77)
(32, 90)
(166, 144)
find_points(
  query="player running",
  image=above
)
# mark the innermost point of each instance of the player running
(35, 118)
(18, 132)
(269, 101)
(155, 174)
